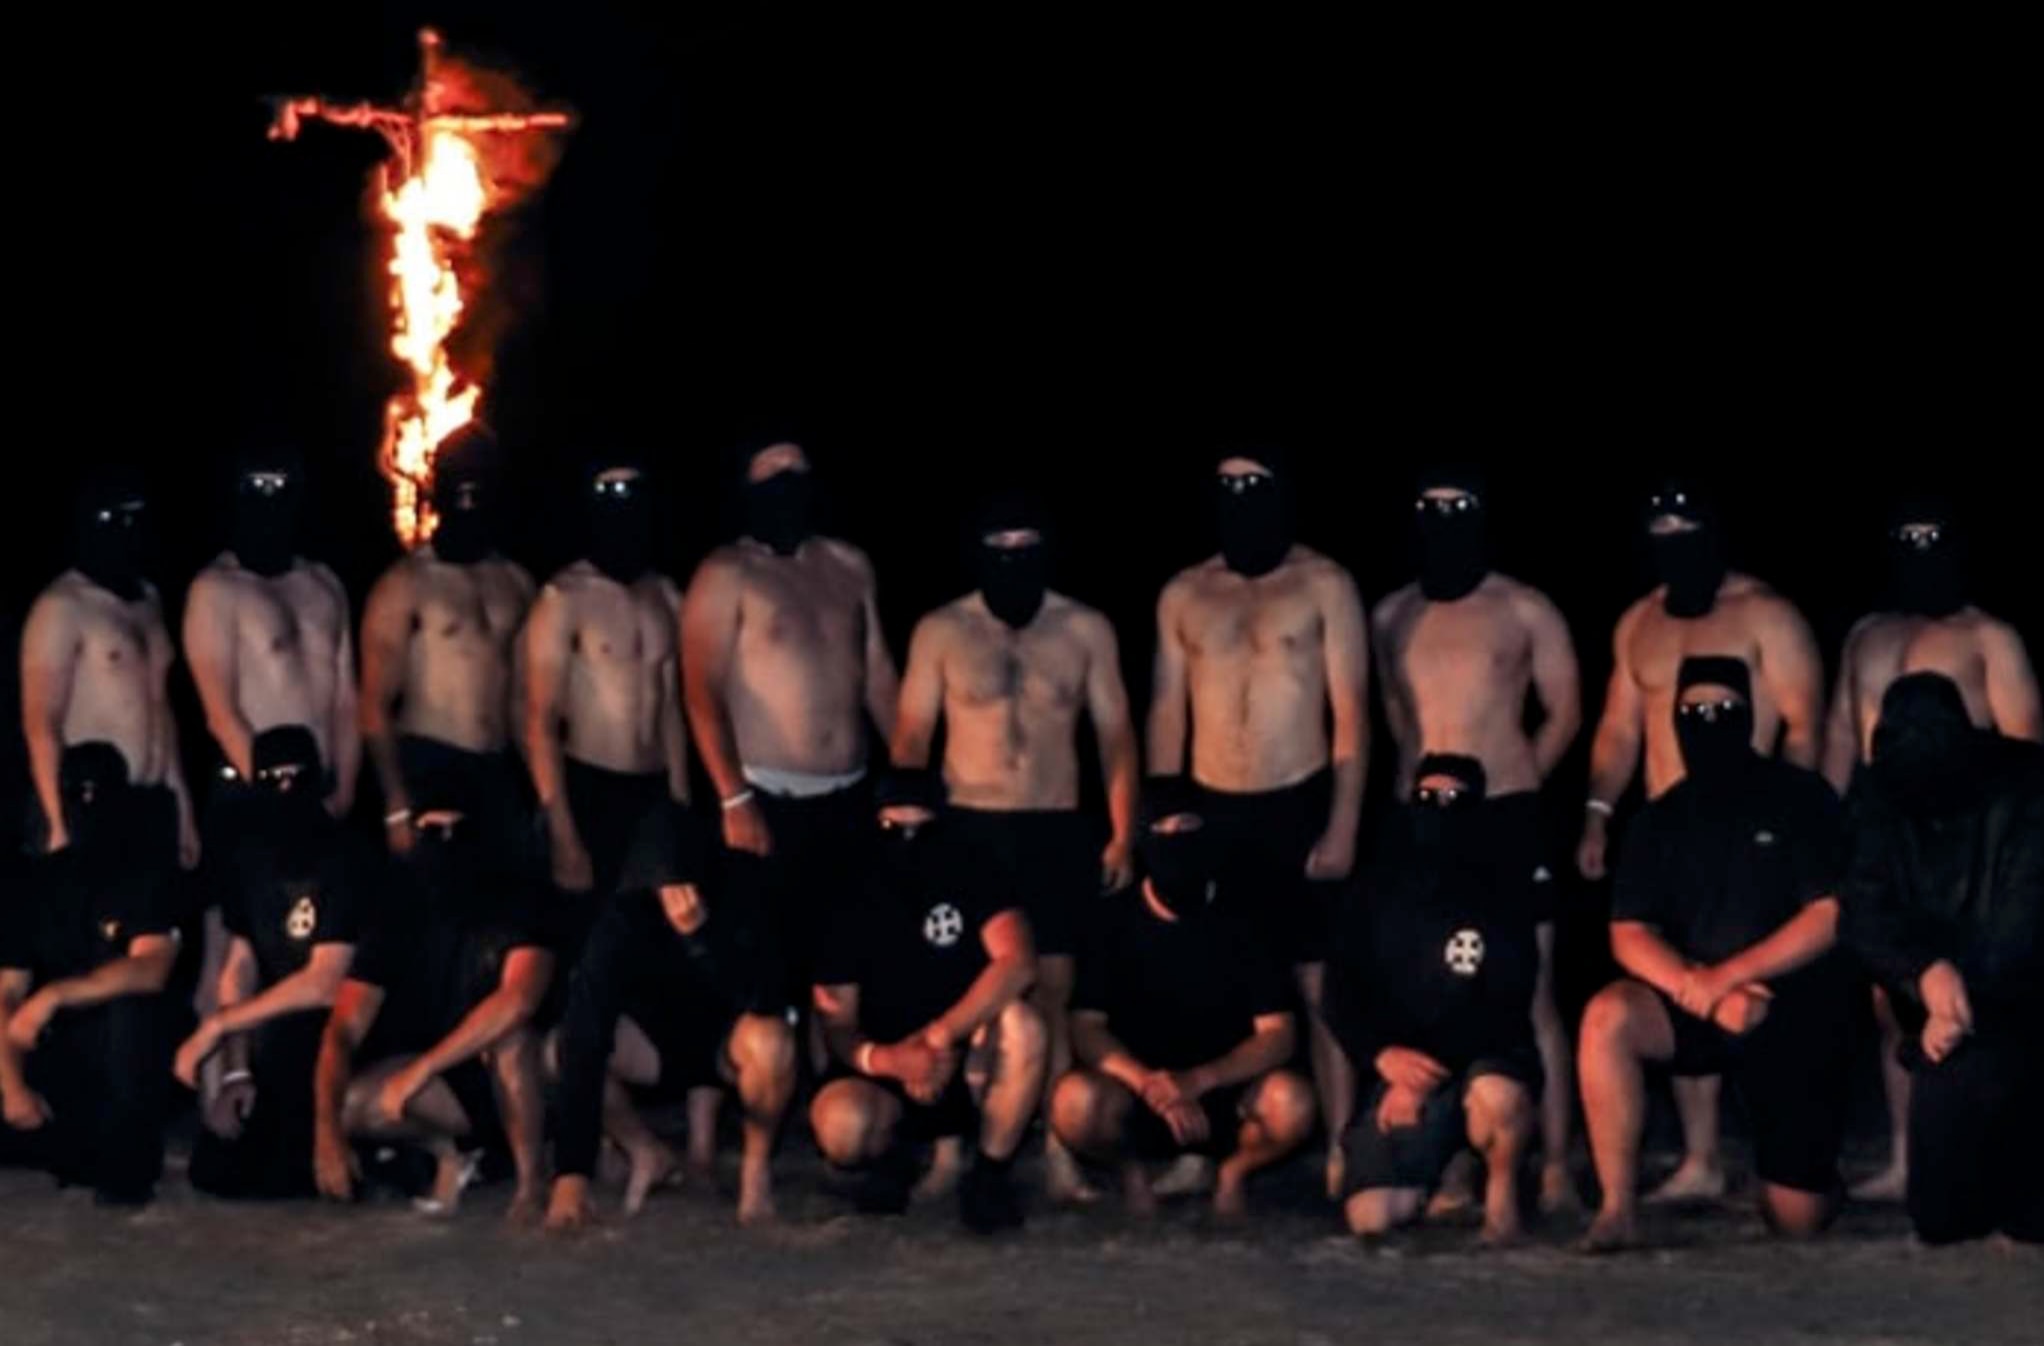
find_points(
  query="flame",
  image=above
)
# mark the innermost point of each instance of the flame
(436, 211)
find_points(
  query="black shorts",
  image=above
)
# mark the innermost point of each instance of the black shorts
(1522, 824)
(1415, 1157)
(608, 807)
(1974, 1164)
(272, 1157)
(1149, 1137)
(1051, 861)
(493, 783)
(691, 1038)
(820, 848)
(953, 1114)
(1265, 839)
(1792, 1073)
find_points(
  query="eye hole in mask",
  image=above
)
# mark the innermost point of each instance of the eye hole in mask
(1440, 796)
(1710, 712)
(1244, 483)
(1447, 507)
(1919, 536)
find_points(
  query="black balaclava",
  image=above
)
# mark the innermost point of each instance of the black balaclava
(1691, 563)
(92, 780)
(1453, 554)
(1716, 737)
(902, 848)
(620, 518)
(1180, 866)
(1926, 562)
(672, 846)
(464, 495)
(269, 489)
(113, 540)
(1441, 818)
(1254, 512)
(777, 510)
(289, 784)
(1012, 580)
(1928, 753)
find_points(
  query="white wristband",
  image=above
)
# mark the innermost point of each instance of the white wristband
(1599, 807)
(863, 1058)
(236, 1077)
(737, 801)
(396, 816)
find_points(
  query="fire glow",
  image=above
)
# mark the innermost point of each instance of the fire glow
(448, 171)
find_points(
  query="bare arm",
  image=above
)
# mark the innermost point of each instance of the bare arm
(1170, 711)
(673, 727)
(922, 695)
(527, 974)
(547, 641)
(1011, 967)
(313, 986)
(1802, 939)
(1346, 644)
(387, 624)
(1614, 753)
(883, 687)
(1095, 1045)
(1263, 1051)
(1557, 684)
(837, 1009)
(2011, 684)
(171, 753)
(1115, 729)
(49, 657)
(209, 649)
(1793, 672)
(1841, 730)
(1397, 709)
(709, 642)
(1640, 950)
(346, 727)
(354, 1014)
(145, 970)
(14, 988)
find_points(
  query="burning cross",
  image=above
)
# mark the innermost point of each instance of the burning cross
(435, 194)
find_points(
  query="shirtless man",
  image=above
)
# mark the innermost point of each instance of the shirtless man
(784, 659)
(1009, 668)
(1263, 656)
(1700, 608)
(1461, 650)
(1927, 627)
(95, 657)
(603, 731)
(437, 653)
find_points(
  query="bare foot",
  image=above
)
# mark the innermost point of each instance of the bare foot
(947, 1161)
(1558, 1191)
(527, 1206)
(452, 1174)
(652, 1166)
(1890, 1184)
(1500, 1231)
(1694, 1180)
(756, 1198)
(1231, 1196)
(569, 1210)
(1063, 1179)
(1337, 1170)
(1457, 1193)
(1189, 1175)
(1137, 1192)
(1610, 1233)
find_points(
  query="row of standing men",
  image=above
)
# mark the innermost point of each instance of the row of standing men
(775, 657)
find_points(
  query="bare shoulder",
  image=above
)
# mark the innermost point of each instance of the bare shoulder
(1773, 610)
(512, 573)
(1634, 617)
(724, 564)
(1527, 603)
(61, 600)
(1328, 578)
(329, 584)
(1088, 625)
(848, 557)
(571, 582)
(218, 581)
(400, 579)
(1395, 609)
(1993, 631)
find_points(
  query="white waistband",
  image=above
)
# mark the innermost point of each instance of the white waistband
(800, 784)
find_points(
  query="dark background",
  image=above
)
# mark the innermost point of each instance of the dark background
(960, 249)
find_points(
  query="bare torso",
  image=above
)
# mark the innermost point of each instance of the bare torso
(1888, 645)
(1256, 669)
(459, 657)
(1012, 701)
(285, 641)
(797, 681)
(1658, 643)
(1457, 677)
(621, 663)
(120, 657)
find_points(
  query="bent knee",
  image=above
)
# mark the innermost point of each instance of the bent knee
(1084, 1111)
(1021, 1032)
(849, 1122)
(1612, 1014)
(1497, 1100)
(763, 1043)
(1380, 1210)
(1285, 1106)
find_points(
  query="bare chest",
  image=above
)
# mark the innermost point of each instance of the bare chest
(469, 607)
(624, 630)
(801, 611)
(288, 620)
(1248, 626)
(1461, 644)
(1043, 670)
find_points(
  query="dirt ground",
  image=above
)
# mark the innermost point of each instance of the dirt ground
(201, 1273)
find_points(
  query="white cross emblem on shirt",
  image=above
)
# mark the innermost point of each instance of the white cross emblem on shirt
(1465, 952)
(943, 925)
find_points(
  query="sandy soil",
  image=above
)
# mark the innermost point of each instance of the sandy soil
(199, 1273)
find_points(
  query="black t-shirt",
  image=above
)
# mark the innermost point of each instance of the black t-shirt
(1717, 870)
(434, 966)
(286, 900)
(78, 913)
(911, 941)
(1178, 993)
(1439, 952)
